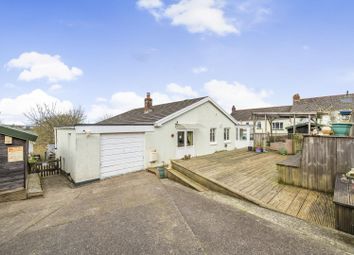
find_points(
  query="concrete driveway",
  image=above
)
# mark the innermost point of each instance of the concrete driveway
(138, 214)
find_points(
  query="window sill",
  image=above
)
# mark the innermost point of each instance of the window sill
(228, 141)
(213, 143)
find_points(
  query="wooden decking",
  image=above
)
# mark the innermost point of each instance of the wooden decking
(254, 177)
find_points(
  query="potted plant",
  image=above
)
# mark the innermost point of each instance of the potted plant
(259, 148)
(343, 126)
(162, 170)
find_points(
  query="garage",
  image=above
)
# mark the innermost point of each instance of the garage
(121, 153)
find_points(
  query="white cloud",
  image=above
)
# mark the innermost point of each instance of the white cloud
(35, 66)
(153, 6)
(233, 93)
(13, 109)
(200, 16)
(252, 12)
(150, 4)
(55, 87)
(123, 101)
(200, 69)
(181, 90)
(224, 92)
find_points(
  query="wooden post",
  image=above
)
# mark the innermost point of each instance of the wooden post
(265, 129)
(309, 125)
(254, 130)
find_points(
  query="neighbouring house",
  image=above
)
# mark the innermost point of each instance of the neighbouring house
(14, 150)
(328, 106)
(244, 116)
(145, 137)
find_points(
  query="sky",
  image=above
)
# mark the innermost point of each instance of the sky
(104, 55)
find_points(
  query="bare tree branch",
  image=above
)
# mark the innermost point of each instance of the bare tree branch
(46, 117)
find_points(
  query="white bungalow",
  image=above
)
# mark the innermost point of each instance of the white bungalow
(145, 137)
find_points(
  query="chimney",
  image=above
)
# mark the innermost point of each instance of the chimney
(148, 103)
(296, 98)
(233, 109)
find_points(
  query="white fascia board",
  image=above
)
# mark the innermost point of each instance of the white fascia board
(101, 129)
(191, 107)
(64, 128)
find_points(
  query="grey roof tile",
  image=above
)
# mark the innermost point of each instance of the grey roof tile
(137, 116)
(313, 104)
(246, 114)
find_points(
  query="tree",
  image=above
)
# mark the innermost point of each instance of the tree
(45, 118)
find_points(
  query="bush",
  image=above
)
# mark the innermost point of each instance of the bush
(283, 151)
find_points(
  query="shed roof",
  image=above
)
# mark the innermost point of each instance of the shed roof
(17, 133)
(138, 117)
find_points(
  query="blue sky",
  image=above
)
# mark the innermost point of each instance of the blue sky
(105, 55)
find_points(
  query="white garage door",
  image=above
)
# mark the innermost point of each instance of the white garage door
(121, 153)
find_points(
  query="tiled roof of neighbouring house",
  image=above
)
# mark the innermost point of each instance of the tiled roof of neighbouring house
(246, 114)
(313, 104)
(137, 116)
(325, 103)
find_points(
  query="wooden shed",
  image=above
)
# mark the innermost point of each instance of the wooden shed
(14, 145)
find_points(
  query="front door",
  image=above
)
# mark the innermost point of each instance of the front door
(185, 143)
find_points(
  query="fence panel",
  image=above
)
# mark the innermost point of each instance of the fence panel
(47, 168)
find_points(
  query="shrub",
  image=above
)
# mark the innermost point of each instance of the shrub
(283, 151)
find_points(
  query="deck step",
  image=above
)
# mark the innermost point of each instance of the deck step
(185, 180)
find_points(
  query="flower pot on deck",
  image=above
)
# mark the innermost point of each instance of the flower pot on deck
(341, 129)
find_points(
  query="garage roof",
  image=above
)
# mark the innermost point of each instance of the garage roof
(17, 133)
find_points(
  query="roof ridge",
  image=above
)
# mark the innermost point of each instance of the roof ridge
(338, 95)
(248, 109)
(187, 99)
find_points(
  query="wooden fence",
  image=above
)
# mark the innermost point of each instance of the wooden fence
(47, 168)
(322, 158)
(262, 139)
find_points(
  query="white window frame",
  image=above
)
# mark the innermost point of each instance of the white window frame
(259, 125)
(185, 138)
(210, 132)
(227, 135)
(280, 125)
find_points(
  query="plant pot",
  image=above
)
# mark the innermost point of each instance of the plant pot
(259, 149)
(250, 148)
(341, 129)
(326, 130)
(162, 172)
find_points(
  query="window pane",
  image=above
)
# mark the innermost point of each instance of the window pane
(189, 138)
(243, 134)
(226, 134)
(180, 139)
(212, 135)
